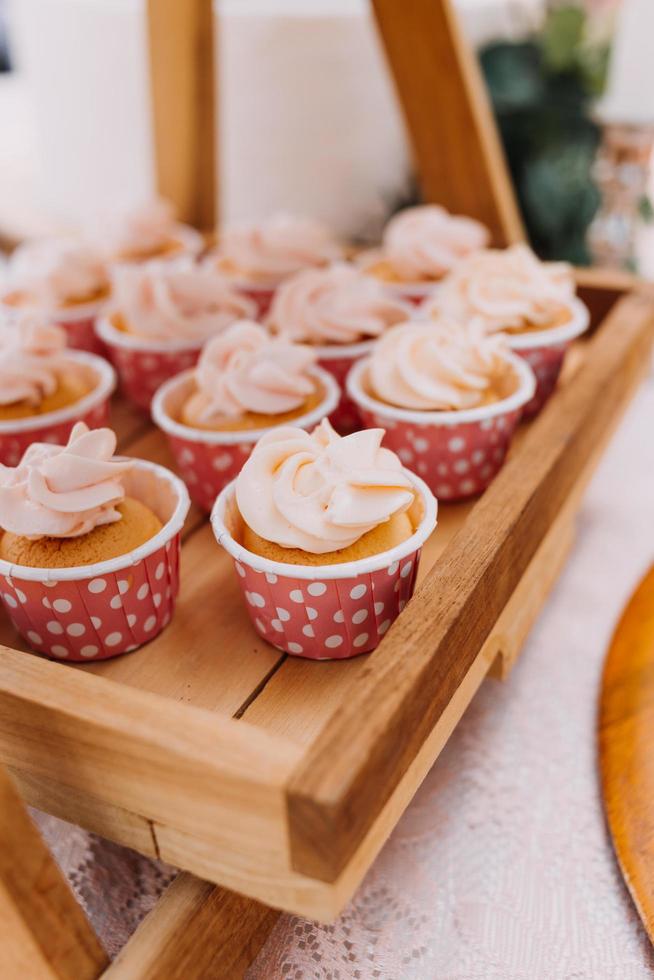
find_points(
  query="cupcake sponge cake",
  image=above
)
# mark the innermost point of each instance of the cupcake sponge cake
(320, 499)
(65, 506)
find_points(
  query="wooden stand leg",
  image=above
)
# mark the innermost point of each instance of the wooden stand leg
(456, 146)
(195, 931)
(180, 34)
(44, 933)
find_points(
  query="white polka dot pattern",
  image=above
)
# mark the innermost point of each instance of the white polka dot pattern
(141, 372)
(97, 616)
(345, 417)
(546, 363)
(327, 618)
(455, 461)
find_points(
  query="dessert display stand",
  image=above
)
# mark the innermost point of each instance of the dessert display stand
(276, 779)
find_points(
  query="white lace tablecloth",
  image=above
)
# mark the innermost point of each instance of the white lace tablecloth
(501, 868)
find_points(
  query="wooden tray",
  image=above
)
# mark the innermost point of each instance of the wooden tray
(281, 778)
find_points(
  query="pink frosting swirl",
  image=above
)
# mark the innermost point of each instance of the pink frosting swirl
(505, 289)
(50, 272)
(142, 230)
(246, 370)
(30, 360)
(320, 491)
(64, 491)
(275, 248)
(337, 305)
(425, 242)
(440, 365)
(176, 300)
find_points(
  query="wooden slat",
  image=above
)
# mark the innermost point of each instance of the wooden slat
(208, 775)
(195, 932)
(207, 656)
(457, 150)
(626, 723)
(416, 670)
(43, 931)
(180, 36)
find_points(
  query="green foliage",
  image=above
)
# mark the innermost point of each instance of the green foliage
(542, 91)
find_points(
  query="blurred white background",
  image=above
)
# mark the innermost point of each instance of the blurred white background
(308, 118)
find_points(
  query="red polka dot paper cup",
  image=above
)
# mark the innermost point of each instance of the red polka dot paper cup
(144, 365)
(457, 453)
(208, 461)
(98, 611)
(55, 427)
(77, 321)
(329, 612)
(338, 359)
(545, 350)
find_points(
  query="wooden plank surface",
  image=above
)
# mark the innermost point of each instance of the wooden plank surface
(180, 36)
(414, 673)
(214, 777)
(195, 932)
(456, 146)
(44, 933)
(625, 728)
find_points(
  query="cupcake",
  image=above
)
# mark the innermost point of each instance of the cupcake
(340, 312)
(64, 280)
(245, 382)
(149, 232)
(533, 302)
(450, 397)
(326, 533)
(258, 256)
(89, 546)
(160, 316)
(420, 246)
(46, 388)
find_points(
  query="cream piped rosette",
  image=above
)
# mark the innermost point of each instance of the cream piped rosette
(147, 230)
(268, 251)
(246, 370)
(437, 366)
(335, 305)
(506, 290)
(50, 273)
(319, 491)
(31, 360)
(64, 491)
(426, 242)
(175, 301)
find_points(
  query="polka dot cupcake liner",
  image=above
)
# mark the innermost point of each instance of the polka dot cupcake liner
(329, 612)
(457, 453)
(545, 350)
(208, 461)
(77, 321)
(55, 427)
(143, 366)
(338, 360)
(98, 611)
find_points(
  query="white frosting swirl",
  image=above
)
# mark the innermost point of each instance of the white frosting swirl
(176, 300)
(275, 248)
(436, 366)
(64, 491)
(51, 272)
(30, 360)
(246, 370)
(509, 289)
(426, 242)
(143, 230)
(337, 305)
(320, 491)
